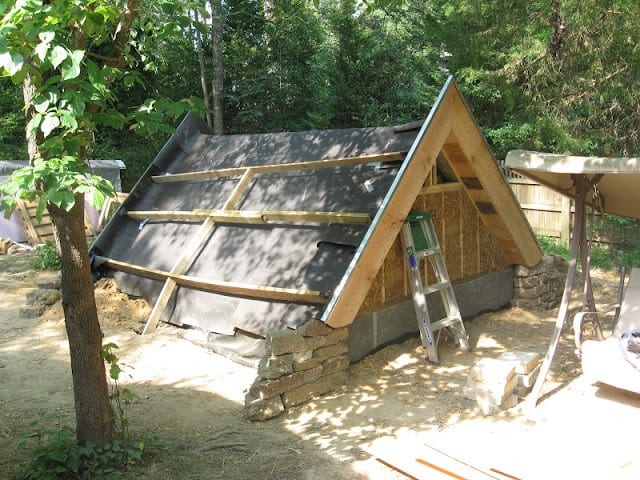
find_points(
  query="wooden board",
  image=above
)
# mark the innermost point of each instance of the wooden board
(259, 169)
(423, 462)
(193, 249)
(222, 287)
(254, 216)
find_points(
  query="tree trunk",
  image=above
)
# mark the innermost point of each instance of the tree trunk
(90, 389)
(217, 81)
(203, 71)
(34, 141)
(558, 26)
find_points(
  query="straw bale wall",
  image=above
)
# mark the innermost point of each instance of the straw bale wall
(469, 249)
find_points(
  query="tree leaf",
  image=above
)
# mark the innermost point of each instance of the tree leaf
(71, 66)
(50, 123)
(11, 62)
(58, 55)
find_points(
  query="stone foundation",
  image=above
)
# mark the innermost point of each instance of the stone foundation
(540, 288)
(299, 365)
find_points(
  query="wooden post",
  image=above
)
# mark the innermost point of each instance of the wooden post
(578, 244)
(565, 220)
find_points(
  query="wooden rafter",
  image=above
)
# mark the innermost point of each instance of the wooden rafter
(191, 252)
(253, 216)
(222, 287)
(260, 169)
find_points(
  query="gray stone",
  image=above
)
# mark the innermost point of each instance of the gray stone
(314, 328)
(260, 410)
(275, 367)
(33, 311)
(284, 341)
(330, 351)
(311, 390)
(48, 280)
(43, 296)
(264, 389)
(335, 364)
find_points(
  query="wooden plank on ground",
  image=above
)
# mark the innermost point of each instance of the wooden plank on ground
(222, 287)
(260, 169)
(191, 252)
(253, 216)
(423, 462)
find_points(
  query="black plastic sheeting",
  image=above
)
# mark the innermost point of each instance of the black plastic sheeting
(284, 255)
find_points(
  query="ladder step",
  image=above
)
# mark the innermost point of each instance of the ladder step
(427, 252)
(445, 322)
(436, 287)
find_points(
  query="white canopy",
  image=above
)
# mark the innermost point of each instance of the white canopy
(619, 185)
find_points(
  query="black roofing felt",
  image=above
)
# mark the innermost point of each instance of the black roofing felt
(284, 255)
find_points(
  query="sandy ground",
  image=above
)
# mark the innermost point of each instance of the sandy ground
(192, 400)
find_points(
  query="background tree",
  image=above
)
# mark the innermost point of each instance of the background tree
(68, 55)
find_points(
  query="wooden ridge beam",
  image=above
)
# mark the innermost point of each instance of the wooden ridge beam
(259, 169)
(253, 216)
(222, 287)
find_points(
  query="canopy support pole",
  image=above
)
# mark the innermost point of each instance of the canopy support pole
(578, 247)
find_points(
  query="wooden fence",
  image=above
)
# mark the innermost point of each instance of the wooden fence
(551, 214)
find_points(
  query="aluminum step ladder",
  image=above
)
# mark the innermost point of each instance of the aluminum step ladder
(420, 241)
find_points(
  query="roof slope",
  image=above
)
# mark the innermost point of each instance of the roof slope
(290, 226)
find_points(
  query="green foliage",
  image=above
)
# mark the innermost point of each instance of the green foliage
(47, 257)
(120, 398)
(54, 454)
(631, 257)
(553, 246)
(601, 257)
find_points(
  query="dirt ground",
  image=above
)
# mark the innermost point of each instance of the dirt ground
(192, 399)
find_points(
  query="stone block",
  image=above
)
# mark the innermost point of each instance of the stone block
(313, 343)
(339, 335)
(324, 353)
(264, 389)
(41, 296)
(492, 371)
(335, 364)
(311, 390)
(284, 341)
(275, 367)
(523, 362)
(314, 328)
(32, 312)
(533, 292)
(48, 280)
(494, 392)
(529, 379)
(260, 410)
(526, 282)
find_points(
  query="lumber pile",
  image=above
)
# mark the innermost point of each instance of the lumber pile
(497, 384)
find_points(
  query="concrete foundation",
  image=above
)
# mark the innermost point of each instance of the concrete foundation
(371, 331)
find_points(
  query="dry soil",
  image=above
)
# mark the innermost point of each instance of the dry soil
(192, 400)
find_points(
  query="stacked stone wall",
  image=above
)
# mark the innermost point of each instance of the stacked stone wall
(298, 366)
(540, 288)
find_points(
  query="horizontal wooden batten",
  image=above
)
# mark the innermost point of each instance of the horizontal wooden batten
(441, 187)
(259, 169)
(253, 216)
(221, 287)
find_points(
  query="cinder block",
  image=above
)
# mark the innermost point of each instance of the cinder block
(523, 362)
(529, 379)
(493, 392)
(492, 371)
